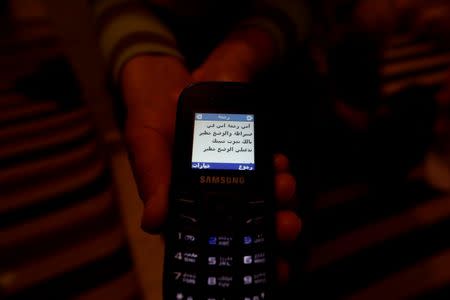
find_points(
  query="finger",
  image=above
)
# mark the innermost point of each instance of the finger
(199, 75)
(285, 189)
(281, 163)
(282, 271)
(218, 72)
(288, 226)
(150, 159)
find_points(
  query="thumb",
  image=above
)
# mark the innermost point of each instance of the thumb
(150, 159)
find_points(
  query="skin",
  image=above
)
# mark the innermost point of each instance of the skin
(151, 86)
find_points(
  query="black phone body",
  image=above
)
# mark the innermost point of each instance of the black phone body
(220, 233)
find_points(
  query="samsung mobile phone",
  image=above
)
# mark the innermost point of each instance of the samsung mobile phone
(220, 233)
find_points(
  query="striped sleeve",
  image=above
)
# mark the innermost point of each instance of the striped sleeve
(287, 21)
(61, 236)
(409, 61)
(368, 244)
(127, 28)
(61, 231)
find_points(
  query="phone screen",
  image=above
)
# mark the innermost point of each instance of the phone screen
(223, 142)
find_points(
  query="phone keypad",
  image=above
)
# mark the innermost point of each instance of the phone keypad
(225, 261)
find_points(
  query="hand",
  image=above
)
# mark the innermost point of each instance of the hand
(287, 221)
(151, 86)
(241, 56)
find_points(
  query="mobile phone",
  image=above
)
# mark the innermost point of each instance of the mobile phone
(220, 233)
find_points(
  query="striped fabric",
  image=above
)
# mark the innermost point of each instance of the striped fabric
(372, 243)
(386, 241)
(127, 28)
(417, 69)
(61, 236)
(409, 61)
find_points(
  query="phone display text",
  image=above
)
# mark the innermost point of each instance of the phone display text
(223, 142)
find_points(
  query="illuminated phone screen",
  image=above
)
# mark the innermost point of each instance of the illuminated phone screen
(224, 142)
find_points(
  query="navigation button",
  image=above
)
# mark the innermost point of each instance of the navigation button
(256, 202)
(185, 200)
(254, 220)
(188, 219)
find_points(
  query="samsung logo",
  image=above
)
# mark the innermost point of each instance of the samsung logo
(222, 180)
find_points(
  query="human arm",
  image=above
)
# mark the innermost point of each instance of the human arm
(265, 38)
(128, 29)
(150, 82)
